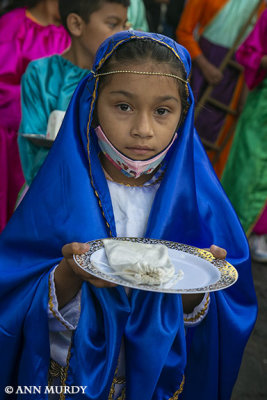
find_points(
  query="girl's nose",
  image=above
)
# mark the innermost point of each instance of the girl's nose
(142, 126)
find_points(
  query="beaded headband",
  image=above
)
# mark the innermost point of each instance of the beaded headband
(139, 73)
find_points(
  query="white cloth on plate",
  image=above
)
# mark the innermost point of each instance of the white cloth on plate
(144, 263)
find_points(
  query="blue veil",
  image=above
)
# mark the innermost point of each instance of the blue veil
(69, 201)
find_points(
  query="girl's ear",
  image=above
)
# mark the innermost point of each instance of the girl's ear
(75, 24)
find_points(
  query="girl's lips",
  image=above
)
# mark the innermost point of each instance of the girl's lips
(140, 150)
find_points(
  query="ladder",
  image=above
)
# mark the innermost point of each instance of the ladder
(216, 148)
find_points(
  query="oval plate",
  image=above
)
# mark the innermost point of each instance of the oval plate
(202, 272)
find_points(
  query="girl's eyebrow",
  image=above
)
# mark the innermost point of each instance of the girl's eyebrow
(123, 92)
(131, 95)
(166, 98)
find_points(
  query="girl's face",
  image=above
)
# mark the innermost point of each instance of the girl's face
(139, 113)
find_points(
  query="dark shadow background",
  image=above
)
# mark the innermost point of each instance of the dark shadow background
(252, 379)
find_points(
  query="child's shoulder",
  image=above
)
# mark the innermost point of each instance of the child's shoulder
(43, 65)
(53, 70)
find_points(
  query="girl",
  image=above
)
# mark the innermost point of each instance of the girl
(136, 105)
(26, 33)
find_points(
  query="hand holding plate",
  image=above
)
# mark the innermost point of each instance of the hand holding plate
(218, 252)
(79, 248)
(69, 277)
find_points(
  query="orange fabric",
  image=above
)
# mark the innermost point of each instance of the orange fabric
(197, 14)
(262, 8)
(30, 16)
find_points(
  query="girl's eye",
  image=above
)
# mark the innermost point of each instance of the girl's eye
(162, 111)
(124, 107)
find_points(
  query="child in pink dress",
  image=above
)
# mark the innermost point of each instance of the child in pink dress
(25, 34)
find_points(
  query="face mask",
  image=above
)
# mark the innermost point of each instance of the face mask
(129, 167)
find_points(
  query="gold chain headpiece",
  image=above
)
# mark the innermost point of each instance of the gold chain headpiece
(139, 73)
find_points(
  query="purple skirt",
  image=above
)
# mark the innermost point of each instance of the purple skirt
(210, 119)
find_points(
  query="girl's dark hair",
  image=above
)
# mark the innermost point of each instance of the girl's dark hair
(84, 8)
(145, 50)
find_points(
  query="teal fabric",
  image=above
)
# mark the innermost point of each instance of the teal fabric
(47, 85)
(225, 27)
(137, 15)
(245, 174)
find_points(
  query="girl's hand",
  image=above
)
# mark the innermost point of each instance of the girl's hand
(79, 248)
(217, 252)
(69, 277)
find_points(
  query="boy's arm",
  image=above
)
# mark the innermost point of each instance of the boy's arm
(33, 121)
(34, 99)
(191, 16)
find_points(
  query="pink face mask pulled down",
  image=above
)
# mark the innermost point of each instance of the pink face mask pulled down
(129, 167)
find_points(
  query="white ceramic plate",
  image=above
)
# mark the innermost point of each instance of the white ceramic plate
(39, 140)
(202, 272)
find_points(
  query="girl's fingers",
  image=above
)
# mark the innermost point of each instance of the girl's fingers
(218, 252)
(79, 248)
(74, 248)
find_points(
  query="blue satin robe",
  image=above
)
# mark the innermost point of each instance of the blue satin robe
(69, 201)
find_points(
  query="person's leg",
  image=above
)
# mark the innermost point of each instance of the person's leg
(258, 239)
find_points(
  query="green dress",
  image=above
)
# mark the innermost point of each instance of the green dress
(245, 174)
